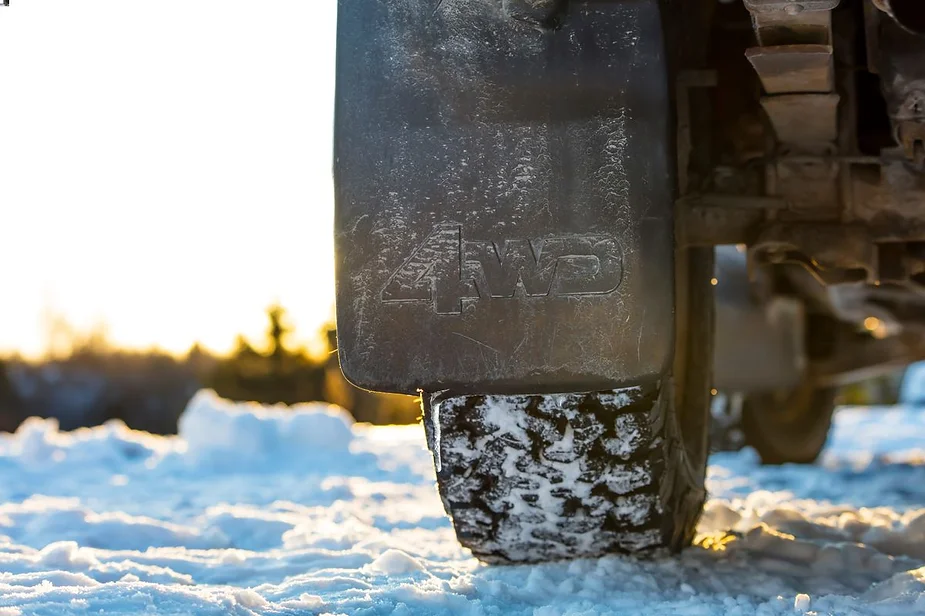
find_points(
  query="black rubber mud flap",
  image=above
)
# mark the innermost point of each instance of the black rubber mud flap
(504, 192)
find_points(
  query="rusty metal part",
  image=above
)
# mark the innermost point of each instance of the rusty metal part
(846, 159)
(793, 68)
(867, 358)
(890, 204)
(781, 28)
(902, 71)
(911, 135)
(890, 200)
(884, 309)
(912, 106)
(709, 226)
(795, 63)
(791, 7)
(808, 186)
(685, 81)
(803, 118)
(841, 230)
(900, 64)
(833, 253)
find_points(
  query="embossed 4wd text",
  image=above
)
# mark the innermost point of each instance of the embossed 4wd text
(447, 269)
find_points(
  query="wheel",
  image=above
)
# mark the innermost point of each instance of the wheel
(793, 426)
(544, 477)
(790, 427)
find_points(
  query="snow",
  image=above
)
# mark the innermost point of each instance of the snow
(254, 510)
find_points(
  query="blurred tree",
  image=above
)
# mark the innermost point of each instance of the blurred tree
(9, 401)
(277, 331)
(86, 380)
(288, 376)
(243, 348)
(146, 389)
(281, 376)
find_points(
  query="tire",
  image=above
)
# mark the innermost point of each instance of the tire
(545, 477)
(788, 429)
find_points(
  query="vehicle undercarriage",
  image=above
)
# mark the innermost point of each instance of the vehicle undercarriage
(542, 204)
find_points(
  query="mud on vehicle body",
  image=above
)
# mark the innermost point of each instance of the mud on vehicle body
(545, 206)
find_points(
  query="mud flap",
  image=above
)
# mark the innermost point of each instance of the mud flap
(504, 192)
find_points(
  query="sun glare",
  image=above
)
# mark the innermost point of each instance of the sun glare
(166, 169)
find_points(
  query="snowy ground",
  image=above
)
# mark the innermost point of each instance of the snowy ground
(268, 512)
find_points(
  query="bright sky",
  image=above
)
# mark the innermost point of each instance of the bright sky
(165, 166)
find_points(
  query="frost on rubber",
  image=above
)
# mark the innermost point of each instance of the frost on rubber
(544, 477)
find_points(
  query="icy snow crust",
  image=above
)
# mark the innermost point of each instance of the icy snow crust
(257, 510)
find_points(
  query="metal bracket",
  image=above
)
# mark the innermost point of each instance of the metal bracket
(791, 7)
(832, 253)
(687, 80)
(794, 69)
(803, 118)
(868, 359)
